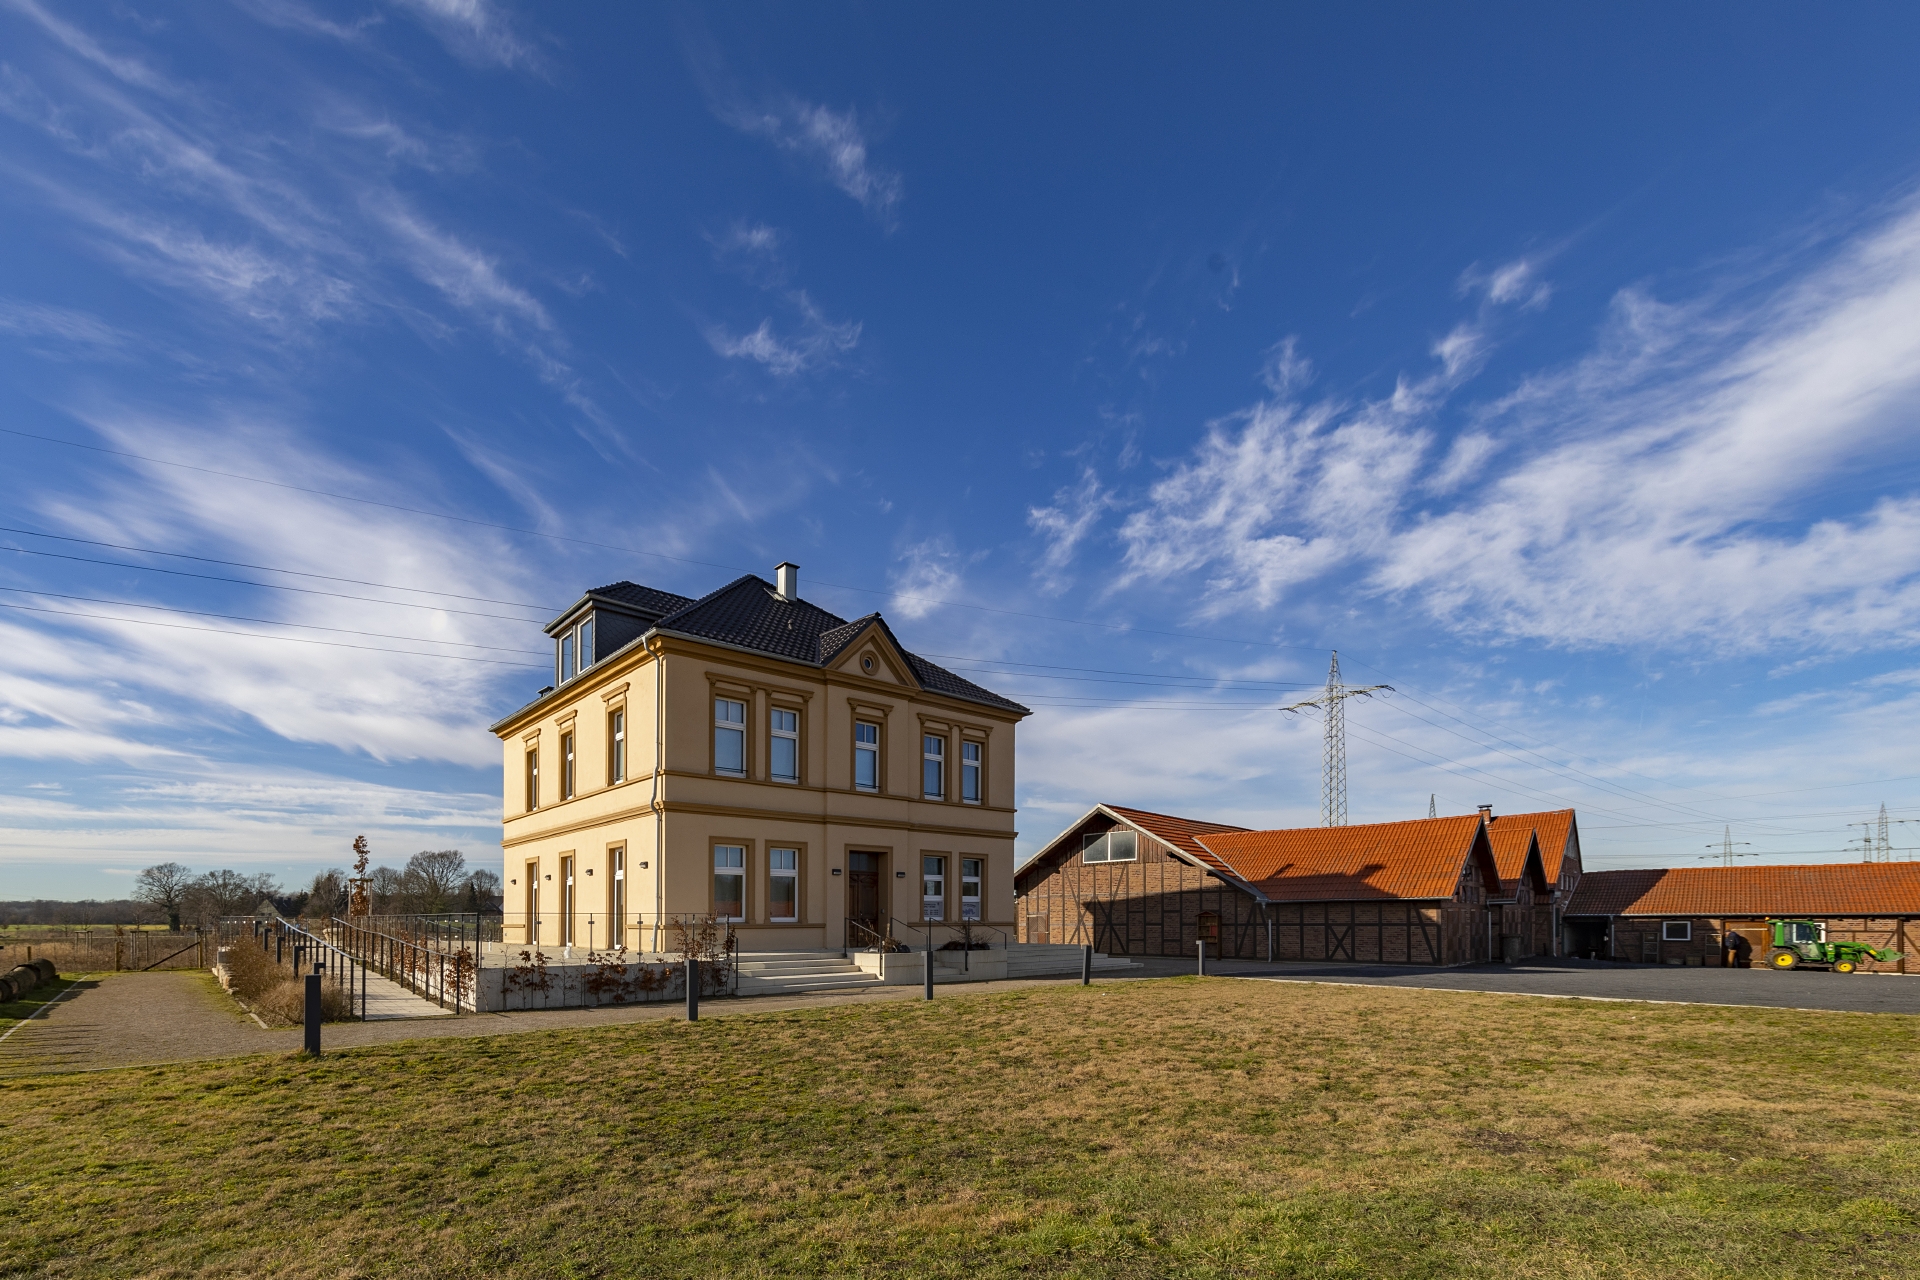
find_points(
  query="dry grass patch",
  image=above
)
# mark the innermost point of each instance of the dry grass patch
(1179, 1128)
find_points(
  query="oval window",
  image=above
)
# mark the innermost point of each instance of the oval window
(866, 664)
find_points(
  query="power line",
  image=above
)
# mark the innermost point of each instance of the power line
(637, 551)
(270, 622)
(268, 586)
(267, 568)
(254, 635)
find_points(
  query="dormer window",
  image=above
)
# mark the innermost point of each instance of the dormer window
(573, 651)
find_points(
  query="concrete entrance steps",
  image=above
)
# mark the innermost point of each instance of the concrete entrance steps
(1052, 960)
(773, 973)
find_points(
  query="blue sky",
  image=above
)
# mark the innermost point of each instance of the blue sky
(1561, 368)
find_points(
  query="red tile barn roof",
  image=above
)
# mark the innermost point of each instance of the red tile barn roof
(1829, 889)
(1555, 829)
(1423, 858)
(1512, 842)
(1178, 832)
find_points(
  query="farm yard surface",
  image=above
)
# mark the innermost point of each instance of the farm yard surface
(1185, 1127)
(1759, 986)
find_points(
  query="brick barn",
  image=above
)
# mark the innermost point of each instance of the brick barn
(1132, 882)
(1684, 915)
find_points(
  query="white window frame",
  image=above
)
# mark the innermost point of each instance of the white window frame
(617, 896)
(933, 887)
(736, 870)
(568, 773)
(568, 907)
(970, 903)
(617, 736)
(777, 735)
(533, 778)
(790, 874)
(973, 757)
(933, 752)
(723, 722)
(1685, 933)
(871, 750)
(583, 644)
(563, 660)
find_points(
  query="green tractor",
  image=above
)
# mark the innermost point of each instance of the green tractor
(1803, 942)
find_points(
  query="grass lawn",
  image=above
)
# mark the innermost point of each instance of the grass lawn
(1185, 1127)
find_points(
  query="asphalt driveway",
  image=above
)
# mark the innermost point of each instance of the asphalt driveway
(1764, 988)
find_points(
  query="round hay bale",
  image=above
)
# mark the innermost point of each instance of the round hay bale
(47, 972)
(25, 978)
(6, 990)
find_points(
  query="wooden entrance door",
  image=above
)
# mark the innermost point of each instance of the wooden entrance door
(863, 899)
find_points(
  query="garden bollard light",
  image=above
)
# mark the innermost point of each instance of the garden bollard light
(929, 970)
(313, 1014)
(693, 988)
(1203, 957)
(1086, 965)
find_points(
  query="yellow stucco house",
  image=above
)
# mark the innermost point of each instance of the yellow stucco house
(751, 758)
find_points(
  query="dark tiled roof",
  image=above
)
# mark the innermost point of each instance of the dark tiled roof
(1822, 889)
(746, 613)
(647, 600)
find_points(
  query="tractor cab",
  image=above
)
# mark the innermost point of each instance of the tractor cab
(1792, 933)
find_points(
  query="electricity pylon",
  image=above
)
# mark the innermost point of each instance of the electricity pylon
(1875, 846)
(1333, 789)
(1433, 804)
(1727, 855)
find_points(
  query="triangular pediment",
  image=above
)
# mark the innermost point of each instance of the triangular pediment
(866, 648)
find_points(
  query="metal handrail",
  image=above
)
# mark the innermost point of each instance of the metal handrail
(414, 963)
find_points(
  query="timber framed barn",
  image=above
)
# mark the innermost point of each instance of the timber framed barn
(1530, 914)
(1132, 882)
(1687, 915)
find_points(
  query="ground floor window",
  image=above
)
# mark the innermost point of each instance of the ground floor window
(1209, 926)
(783, 885)
(933, 888)
(1676, 931)
(972, 871)
(729, 882)
(616, 897)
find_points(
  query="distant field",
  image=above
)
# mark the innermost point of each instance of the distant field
(1185, 1127)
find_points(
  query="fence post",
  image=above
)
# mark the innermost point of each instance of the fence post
(1202, 944)
(928, 967)
(313, 1014)
(1086, 965)
(693, 987)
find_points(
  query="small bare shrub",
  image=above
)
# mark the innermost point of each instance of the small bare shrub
(286, 1003)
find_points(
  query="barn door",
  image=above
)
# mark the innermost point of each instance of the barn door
(1109, 935)
(1340, 941)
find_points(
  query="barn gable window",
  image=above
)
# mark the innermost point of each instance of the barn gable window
(1676, 931)
(1110, 846)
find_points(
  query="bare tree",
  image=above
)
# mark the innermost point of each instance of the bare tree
(226, 893)
(388, 889)
(328, 894)
(483, 890)
(164, 888)
(434, 877)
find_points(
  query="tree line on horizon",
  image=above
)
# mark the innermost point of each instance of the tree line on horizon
(432, 881)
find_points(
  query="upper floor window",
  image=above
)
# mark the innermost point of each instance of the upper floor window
(970, 772)
(730, 737)
(866, 756)
(971, 870)
(933, 766)
(566, 766)
(533, 779)
(784, 754)
(573, 650)
(617, 747)
(1110, 846)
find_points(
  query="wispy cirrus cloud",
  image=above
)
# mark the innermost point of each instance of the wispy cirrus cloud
(1665, 489)
(478, 32)
(815, 343)
(832, 142)
(1065, 524)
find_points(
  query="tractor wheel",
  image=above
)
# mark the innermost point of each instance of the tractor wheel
(1784, 959)
(1843, 966)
